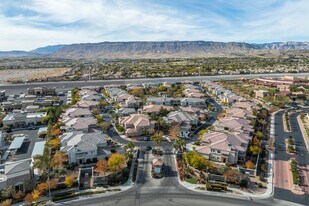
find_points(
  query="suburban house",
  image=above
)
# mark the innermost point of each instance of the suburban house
(137, 125)
(32, 108)
(114, 91)
(284, 93)
(154, 109)
(122, 97)
(163, 101)
(261, 93)
(16, 174)
(230, 97)
(184, 120)
(21, 119)
(9, 106)
(90, 95)
(132, 102)
(193, 102)
(195, 93)
(224, 147)
(218, 90)
(42, 91)
(239, 113)
(283, 88)
(84, 124)
(233, 124)
(83, 148)
(124, 112)
(190, 110)
(75, 112)
(246, 105)
(92, 105)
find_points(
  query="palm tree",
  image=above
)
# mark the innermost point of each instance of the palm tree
(129, 147)
(157, 139)
(179, 144)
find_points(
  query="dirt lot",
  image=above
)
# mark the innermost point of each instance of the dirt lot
(30, 74)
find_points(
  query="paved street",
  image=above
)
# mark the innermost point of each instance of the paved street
(281, 172)
(68, 85)
(165, 191)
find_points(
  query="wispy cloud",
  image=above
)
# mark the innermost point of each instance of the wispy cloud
(27, 24)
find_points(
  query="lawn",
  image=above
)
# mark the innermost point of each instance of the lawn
(191, 180)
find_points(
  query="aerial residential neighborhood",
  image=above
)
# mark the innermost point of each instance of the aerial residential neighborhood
(97, 137)
(154, 103)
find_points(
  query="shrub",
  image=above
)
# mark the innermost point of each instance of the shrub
(243, 183)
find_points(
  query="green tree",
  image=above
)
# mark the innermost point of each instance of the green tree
(260, 135)
(129, 147)
(1, 118)
(254, 150)
(104, 126)
(162, 88)
(157, 138)
(103, 103)
(179, 144)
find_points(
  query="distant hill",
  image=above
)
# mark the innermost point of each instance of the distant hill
(47, 49)
(163, 49)
(4, 54)
(151, 49)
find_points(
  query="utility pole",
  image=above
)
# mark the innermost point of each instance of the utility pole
(89, 73)
(145, 72)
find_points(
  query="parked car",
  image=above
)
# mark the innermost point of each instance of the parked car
(148, 148)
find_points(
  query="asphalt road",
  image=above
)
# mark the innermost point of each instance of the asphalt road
(282, 156)
(68, 85)
(166, 191)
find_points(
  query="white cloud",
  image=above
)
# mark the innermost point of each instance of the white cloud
(75, 21)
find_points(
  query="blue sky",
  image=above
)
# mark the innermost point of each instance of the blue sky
(28, 24)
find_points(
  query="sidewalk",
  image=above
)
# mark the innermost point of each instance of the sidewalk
(303, 131)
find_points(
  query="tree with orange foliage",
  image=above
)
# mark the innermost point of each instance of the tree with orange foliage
(18, 195)
(101, 167)
(232, 175)
(69, 181)
(116, 162)
(54, 143)
(6, 202)
(55, 132)
(28, 198)
(174, 132)
(58, 159)
(42, 187)
(36, 194)
(52, 183)
(249, 164)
